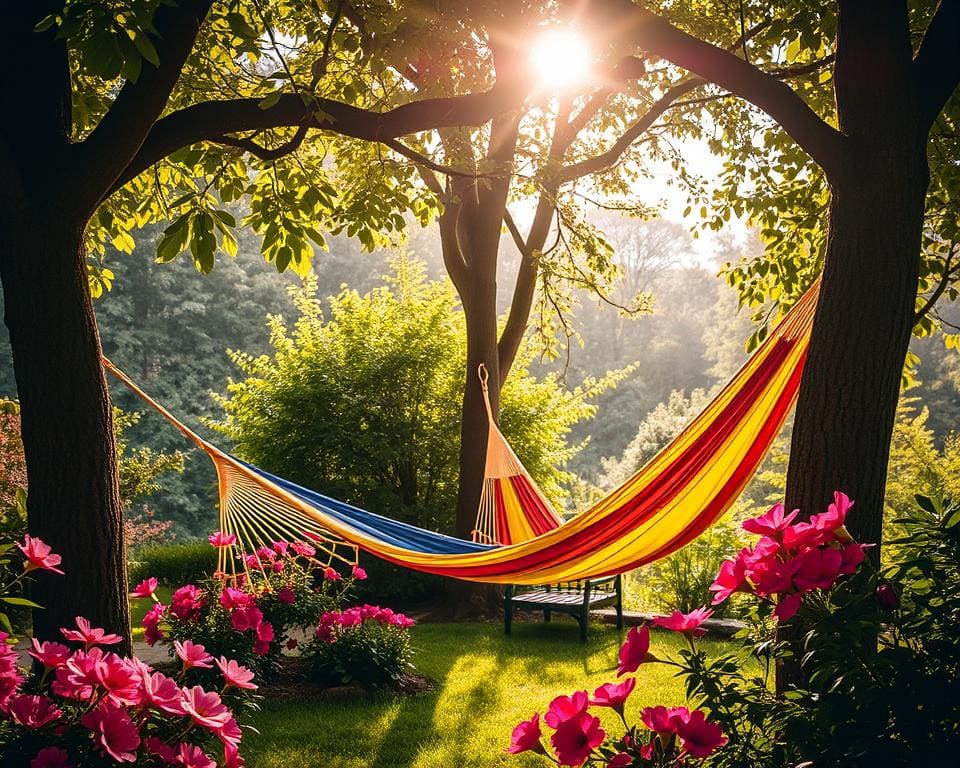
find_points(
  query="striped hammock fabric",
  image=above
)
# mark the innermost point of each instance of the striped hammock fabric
(667, 504)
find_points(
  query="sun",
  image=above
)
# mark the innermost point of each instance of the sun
(561, 58)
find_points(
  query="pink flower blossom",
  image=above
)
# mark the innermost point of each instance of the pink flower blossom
(285, 595)
(280, 547)
(663, 720)
(687, 623)
(526, 737)
(193, 655)
(771, 523)
(732, 577)
(231, 757)
(851, 557)
(818, 569)
(231, 598)
(191, 756)
(249, 617)
(10, 677)
(159, 748)
(331, 574)
(635, 650)
(698, 737)
(39, 555)
(358, 573)
(787, 605)
(114, 732)
(576, 738)
(120, 678)
(51, 655)
(89, 636)
(161, 692)
(32, 711)
(613, 695)
(145, 588)
(564, 707)
(887, 597)
(51, 757)
(303, 549)
(187, 602)
(230, 732)
(235, 674)
(205, 708)
(219, 539)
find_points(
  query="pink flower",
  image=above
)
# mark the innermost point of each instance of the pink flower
(190, 756)
(635, 650)
(205, 708)
(285, 595)
(120, 678)
(10, 677)
(358, 573)
(236, 675)
(688, 623)
(187, 602)
(230, 733)
(50, 655)
(252, 561)
(159, 748)
(89, 636)
(787, 605)
(38, 555)
(145, 588)
(280, 547)
(576, 738)
(564, 707)
(663, 720)
(887, 597)
(303, 549)
(249, 617)
(51, 757)
(79, 675)
(161, 692)
(265, 632)
(526, 737)
(220, 539)
(771, 523)
(151, 624)
(231, 757)
(278, 566)
(698, 737)
(113, 730)
(331, 574)
(33, 711)
(851, 557)
(193, 655)
(613, 695)
(231, 598)
(732, 577)
(818, 569)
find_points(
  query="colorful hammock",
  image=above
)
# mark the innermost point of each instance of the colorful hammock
(668, 503)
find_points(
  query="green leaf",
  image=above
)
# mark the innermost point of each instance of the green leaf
(20, 601)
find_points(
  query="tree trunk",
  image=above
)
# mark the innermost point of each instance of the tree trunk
(67, 423)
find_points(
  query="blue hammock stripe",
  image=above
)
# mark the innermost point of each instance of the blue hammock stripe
(376, 526)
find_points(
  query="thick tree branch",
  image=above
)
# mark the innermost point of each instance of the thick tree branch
(616, 150)
(265, 153)
(209, 120)
(102, 157)
(936, 66)
(655, 35)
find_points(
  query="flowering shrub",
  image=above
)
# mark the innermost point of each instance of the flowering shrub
(248, 617)
(367, 644)
(91, 707)
(793, 570)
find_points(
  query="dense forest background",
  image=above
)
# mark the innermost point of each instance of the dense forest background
(170, 327)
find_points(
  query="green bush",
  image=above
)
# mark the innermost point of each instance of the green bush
(365, 405)
(367, 645)
(177, 563)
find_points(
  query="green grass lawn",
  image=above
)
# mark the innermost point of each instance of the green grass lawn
(487, 683)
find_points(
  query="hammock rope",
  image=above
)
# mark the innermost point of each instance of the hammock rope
(671, 500)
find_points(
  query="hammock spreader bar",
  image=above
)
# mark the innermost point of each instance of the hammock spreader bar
(669, 502)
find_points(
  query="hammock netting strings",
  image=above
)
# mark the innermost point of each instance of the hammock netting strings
(668, 503)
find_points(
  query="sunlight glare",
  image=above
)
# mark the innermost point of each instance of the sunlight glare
(561, 58)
